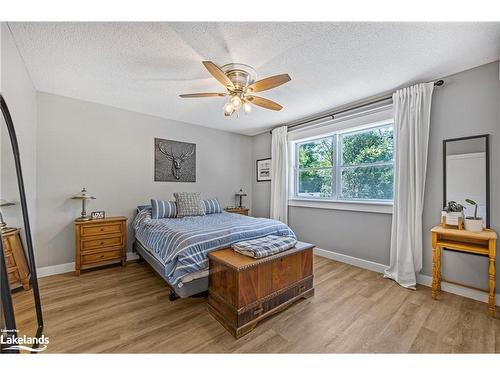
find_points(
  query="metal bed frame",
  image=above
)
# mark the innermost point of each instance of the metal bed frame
(194, 288)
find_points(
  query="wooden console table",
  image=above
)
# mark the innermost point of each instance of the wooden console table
(480, 243)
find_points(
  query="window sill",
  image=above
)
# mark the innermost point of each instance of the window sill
(377, 207)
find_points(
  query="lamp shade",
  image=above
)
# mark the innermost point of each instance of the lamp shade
(241, 193)
(3, 224)
(4, 203)
(83, 195)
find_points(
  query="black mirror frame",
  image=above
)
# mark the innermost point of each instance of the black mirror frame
(5, 288)
(487, 151)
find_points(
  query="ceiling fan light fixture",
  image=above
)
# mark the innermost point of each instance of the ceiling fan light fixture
(228, 109)
(247, 107)
(236, 101)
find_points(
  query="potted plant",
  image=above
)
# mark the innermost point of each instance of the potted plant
(473, 223)
(454, 213)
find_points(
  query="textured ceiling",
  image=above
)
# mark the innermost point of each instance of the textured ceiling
(144, 66)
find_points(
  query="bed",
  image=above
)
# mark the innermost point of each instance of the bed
(177, 248)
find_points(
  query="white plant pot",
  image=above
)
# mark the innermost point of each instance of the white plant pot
(473, 225)
(452, 218)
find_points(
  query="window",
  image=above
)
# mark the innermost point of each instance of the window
(349, 166)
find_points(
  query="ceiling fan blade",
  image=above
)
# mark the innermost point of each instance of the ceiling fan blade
(264, 103)
(218, 74)
(269, 83)
(202, 95)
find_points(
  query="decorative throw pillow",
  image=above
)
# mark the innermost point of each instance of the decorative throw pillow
(189, 204)
(212, 206)
(161, 209)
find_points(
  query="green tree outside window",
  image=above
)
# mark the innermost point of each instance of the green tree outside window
(365, 168)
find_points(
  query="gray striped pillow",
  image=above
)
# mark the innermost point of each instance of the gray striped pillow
(189, 204)
(212, 206)
(161, 209)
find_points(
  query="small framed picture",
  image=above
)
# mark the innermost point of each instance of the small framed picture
(264, 170)
(96, 215)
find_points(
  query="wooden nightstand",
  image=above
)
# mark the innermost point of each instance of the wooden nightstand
(15, 259)
(237, 210)
(100, 242)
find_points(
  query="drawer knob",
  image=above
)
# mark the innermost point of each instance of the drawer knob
(102, 229)
(102, 256)
(102, 242)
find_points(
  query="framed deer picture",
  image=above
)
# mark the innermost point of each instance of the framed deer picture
(175, 161)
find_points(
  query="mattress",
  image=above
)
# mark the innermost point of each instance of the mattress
(184, 279)
(181, 245)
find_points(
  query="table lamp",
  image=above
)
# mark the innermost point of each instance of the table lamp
(84, 197)
(3, 224)
(241, 194)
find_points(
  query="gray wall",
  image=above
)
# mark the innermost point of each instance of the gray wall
(362, 235)
(261, 191)
(467, 104)
(110, 151)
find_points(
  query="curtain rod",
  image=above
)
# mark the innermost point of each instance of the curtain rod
(332, 114)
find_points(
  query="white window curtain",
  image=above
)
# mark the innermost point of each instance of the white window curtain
(279, 175)
(412, 109)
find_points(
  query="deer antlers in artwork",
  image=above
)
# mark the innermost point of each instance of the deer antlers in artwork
(176, 160)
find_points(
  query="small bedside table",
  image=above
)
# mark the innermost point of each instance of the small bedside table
(479, 243)
(100, 242)
(237, 210)
(15, 259)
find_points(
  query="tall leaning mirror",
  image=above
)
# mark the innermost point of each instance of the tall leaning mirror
(21, 313)
(466, 166)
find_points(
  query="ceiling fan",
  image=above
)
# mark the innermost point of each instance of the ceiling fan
(240, 83)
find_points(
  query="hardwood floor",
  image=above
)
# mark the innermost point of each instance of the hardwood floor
(127, 310)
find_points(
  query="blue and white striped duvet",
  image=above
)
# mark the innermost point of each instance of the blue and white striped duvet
(182, 244)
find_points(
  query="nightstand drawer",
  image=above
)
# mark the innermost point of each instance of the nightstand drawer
(101, 229)
(6, 246)
(13, 276)
(101, 256)
(9, 260)
(101, 242)
(15, 259)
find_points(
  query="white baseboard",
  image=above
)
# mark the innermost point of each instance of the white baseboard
(132, 256)
(69, 267)
(54, 270)
(421, 279)
(358, 262)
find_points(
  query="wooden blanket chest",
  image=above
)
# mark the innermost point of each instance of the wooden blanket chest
(243, 290)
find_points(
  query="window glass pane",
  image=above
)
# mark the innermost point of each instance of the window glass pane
(316, 154)
(375, 182)
(369, 146)
(315, 183)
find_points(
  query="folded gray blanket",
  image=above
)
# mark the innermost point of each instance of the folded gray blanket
(264, 246)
